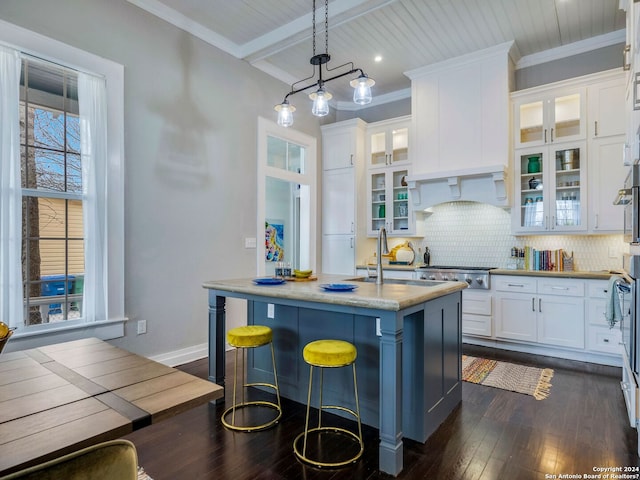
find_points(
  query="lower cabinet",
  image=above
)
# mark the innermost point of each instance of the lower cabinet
(477, 313)
(515, 314)
(548, 311)
(600, 336)
(563, 317)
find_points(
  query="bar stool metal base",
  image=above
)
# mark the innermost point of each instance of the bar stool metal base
(333, 431)
(301, 451)
(246, 406)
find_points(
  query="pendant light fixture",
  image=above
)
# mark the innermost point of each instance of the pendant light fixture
(320, 97)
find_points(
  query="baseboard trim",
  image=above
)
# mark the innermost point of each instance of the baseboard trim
(601, 359)
(184, 355)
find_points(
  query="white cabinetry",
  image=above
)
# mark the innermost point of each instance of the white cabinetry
(606, 175)
(560, 310)
(575, 129)
(388, 142)
(460, 111)
(342, 161)
(550, 189)
(515, 314)
(548, 311)
(546, 117)
(600, 337)
(477, 313)
(388, 203)
(606, 106)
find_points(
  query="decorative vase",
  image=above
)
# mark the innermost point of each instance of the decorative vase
(533, 183)
(534, 165)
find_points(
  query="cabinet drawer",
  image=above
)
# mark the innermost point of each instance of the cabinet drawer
(604, 339)
(476, 302)
(514, 284)
(598, 289)
(479, 325)
(554, 286)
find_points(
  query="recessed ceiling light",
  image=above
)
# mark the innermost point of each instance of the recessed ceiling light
(377, 58)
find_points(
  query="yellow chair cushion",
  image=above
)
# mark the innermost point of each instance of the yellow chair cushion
(249, 336)
(329, 353)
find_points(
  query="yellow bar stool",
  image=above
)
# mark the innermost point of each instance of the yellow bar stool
(251, 336)
(329, 354)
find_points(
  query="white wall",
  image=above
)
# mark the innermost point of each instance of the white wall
(190, 170)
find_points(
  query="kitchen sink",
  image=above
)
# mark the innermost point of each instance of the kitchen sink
(399, 281)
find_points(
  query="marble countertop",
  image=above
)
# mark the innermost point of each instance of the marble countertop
(389, 296)
(597, 275)
(387, 266)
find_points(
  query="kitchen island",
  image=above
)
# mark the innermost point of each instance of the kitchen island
(408, 339)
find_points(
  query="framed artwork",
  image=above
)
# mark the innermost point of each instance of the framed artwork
(274, 240)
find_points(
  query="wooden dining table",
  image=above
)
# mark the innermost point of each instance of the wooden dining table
(59, 398)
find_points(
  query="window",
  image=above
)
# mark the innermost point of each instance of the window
(65, 207)
(51, 181)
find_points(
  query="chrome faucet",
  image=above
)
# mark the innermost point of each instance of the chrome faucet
(383, 249)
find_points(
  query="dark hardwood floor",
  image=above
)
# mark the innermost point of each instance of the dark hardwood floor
(493, 434)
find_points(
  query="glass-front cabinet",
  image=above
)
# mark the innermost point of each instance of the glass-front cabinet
(550, 119)
(388, 142)
(551, 189)
(388, 202)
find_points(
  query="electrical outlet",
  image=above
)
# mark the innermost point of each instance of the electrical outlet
(142, 327)
(250, 242)
(271, 311)
(613, 253)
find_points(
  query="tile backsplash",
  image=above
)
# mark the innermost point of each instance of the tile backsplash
(477, 234)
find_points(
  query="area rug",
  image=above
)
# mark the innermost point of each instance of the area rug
(507, 376)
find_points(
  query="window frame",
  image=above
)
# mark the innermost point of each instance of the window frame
(266, 129)
(37, 45)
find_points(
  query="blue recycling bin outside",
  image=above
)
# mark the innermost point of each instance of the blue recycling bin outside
(53, 285)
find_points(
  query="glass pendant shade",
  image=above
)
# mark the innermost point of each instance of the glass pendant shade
(362, 89)
(285, 114)
(320, 102)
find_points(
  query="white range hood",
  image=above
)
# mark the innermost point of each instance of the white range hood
(483, 184)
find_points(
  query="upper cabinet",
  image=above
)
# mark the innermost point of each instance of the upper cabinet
(550, 187)
(388, 142)
(460, 112)
(568, 161)
(389, 165)
(606, 108)
(340, 144)
(556, 117)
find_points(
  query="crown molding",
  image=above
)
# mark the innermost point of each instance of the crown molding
(575, 48)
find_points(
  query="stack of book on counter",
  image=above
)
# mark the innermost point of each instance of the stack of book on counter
(547, 260)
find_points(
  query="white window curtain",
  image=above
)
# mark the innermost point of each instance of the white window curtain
(92, 100)
(11, 303)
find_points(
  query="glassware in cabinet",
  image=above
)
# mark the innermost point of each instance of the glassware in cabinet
(400, 201)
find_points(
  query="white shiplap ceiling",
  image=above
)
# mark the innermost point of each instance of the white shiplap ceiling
(275, 35)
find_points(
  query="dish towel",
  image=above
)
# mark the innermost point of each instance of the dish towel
(613, 313)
